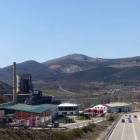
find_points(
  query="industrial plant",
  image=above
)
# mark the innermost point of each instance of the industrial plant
(23, 91)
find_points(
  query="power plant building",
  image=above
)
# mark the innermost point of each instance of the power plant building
(24, 83)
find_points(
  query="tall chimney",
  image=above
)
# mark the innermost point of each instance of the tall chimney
(14, 82)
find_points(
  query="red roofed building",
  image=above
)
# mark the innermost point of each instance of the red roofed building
(98, 108)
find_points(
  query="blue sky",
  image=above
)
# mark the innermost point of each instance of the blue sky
(42, 30)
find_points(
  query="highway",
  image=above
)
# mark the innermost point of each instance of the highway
(126, 130)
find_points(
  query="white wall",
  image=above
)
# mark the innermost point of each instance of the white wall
(123, 108)
(75, 110)
(54, 112)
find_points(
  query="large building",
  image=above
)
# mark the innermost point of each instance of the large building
(68, 109)
(23, 87)
(26, 111)
(110, 108)
(118, 107)
(24, 83)
(98, 108)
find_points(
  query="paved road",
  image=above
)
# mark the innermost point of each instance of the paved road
(66, 90)
(73, 125)
(127, 131)
(83, 123)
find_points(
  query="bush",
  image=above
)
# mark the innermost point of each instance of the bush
(82, 118)
(63, 135)
(84, 129)
(59, 135)
(110, 118)
(77, 132)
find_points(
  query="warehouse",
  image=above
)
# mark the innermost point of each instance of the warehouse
(110, 108)
(25, 111)
(118, 107)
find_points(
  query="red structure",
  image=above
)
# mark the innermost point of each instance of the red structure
(25, 115)
(98, 109)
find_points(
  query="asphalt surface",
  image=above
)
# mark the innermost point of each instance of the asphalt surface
(83, 123)
(126, 130)
(74, 125)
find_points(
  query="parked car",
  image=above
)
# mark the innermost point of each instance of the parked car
(18, 127)
(135, 116)
(50, 125)
(56, 124)
(123, 120)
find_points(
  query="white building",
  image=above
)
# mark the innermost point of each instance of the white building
(100, 107)
(68, 109)
(118, 107)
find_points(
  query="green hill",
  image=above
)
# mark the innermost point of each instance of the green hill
(129, 76)
(92, 74)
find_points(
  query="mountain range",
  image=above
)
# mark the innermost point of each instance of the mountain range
(78, 68)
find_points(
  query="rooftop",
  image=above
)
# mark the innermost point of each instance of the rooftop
(117, 104)
(67, 104)
(28, 108)
(105, 105)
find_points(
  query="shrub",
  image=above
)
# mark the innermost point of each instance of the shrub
(62, 135)
(84, 129)
(110, 118)
(77, 132)
(82, 118)
(58, 135)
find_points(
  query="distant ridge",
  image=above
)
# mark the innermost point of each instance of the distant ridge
(79, 57)
(67, 68)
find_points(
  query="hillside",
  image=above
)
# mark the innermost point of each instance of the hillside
(125, 76)
(5, 88)
(129, 76)
(28, 67)
(71, 67)
(91, 75)
(50, 73)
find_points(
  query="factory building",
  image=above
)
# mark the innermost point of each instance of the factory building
(25, 111)
(24, 83)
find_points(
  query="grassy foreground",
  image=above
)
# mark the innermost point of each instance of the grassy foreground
(89, 132)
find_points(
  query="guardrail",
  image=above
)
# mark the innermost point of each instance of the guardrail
(32, 128)
(46, 128)
(112, 129)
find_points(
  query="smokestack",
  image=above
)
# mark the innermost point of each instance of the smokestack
(14, 82)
